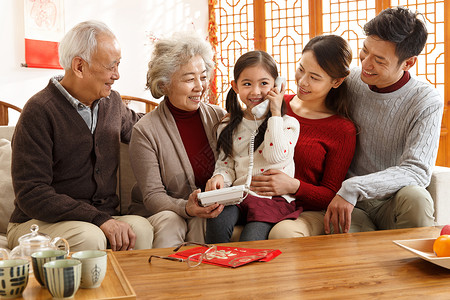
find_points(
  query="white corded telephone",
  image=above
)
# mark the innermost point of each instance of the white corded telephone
(235, 194)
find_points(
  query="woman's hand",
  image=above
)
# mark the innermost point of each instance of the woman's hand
(274, 183)
(276, 98)
(193, 209)
(214, 183)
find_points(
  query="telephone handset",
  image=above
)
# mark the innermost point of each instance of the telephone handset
(262, 109)
(279, 82)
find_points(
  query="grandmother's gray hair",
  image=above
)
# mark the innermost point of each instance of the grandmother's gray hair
(81, 41)
(170, 54)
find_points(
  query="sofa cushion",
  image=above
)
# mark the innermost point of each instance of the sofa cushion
(6, 189)
(3, 241)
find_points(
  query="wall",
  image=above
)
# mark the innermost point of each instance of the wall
(133, 21)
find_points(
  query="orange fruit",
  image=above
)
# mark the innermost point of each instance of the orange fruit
(441, 246)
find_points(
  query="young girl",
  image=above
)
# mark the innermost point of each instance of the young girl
(254, 77)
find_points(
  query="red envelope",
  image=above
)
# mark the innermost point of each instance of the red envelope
(230, 256)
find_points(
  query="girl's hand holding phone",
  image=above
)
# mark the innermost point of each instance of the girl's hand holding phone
(276, 96)
(214, 183)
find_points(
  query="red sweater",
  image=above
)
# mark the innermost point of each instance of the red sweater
(322, 157)
(195, 142)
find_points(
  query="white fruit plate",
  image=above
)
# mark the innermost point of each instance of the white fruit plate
(424, 249)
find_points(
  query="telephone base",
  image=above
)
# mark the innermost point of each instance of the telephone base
(226, 196)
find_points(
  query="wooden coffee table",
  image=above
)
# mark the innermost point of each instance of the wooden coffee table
(343, 266)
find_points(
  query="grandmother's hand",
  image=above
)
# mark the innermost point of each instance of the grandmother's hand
(193, 209)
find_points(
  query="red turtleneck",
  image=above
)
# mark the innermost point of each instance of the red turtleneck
(392, 88)
(195, 143)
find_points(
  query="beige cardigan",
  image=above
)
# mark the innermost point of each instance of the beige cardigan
(160, 162)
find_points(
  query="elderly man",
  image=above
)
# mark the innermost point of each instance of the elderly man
(66, 150)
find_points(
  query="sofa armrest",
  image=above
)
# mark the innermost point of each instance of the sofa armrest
(6, 132)
(440, 192)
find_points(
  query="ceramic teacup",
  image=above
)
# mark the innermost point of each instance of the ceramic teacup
(93, 268)
(13, 277)
(62, 277)
(38, 259)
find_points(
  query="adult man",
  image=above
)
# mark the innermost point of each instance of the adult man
(399, 120)
(66, 149)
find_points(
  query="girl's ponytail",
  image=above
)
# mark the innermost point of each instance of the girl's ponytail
(235, 115)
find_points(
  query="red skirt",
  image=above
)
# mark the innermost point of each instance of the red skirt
(268, 210)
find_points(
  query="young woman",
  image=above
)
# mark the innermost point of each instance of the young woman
(254, 77)
(327, 141)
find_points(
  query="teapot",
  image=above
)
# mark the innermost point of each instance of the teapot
(34, 242)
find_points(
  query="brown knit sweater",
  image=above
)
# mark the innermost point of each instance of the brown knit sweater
(60, 171)
(160, 162)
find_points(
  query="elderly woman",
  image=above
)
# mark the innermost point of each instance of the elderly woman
(173, 148)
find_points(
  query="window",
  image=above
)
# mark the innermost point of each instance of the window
(282, 28)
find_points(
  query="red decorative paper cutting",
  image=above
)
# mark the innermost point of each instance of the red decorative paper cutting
(231, 256)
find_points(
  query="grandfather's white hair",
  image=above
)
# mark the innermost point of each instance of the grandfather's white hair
(169, 54)
(81, 41)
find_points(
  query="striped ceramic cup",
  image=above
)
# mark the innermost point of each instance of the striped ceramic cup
(62, 277)
(13, 277)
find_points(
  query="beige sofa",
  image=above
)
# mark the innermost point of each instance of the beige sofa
(439, 187)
